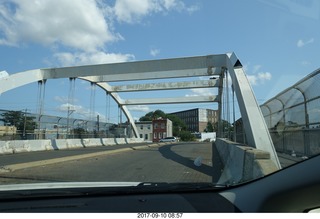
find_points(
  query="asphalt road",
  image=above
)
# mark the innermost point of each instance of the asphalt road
(177, 162)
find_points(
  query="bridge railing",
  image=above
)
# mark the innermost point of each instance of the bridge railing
(293, 117)
(32, 126)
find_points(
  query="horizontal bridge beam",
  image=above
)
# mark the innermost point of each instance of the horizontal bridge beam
(171, 100)
(142, 70)
(156, 75)
(165, 86)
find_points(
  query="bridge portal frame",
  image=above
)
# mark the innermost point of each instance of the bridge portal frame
(256, 130)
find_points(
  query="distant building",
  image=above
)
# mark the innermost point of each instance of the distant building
(197, 119)
(161, 128)
(145, 130)
(8, 130)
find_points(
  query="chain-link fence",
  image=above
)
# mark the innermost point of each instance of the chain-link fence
(293, 117)
(18, 125)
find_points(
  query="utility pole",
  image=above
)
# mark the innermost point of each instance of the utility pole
(98, 123)
(25, 123)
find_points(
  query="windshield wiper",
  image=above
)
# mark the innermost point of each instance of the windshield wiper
(141, 188)
(178, 186)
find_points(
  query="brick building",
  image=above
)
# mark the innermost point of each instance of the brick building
(197, 119)
(161, 128)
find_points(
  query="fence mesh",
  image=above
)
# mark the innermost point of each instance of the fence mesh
(34, 126)
(293, 117)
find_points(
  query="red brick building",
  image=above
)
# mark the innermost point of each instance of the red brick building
(161, 128)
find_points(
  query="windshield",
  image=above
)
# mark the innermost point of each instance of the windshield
(127, 93)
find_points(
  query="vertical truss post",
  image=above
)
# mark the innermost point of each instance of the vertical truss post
(257, 132)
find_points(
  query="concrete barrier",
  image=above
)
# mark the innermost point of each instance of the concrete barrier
(18, 146)
(241, 163)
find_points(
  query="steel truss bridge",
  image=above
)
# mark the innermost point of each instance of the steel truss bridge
(217, 66)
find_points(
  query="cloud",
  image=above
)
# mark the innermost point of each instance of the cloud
(131, 11)
(139, 108)
(69, 59)
(77, 24)
(305, 63)
(259, 78)
(77, 31)
(302, 43)
(64, 99)
(200, 92)
(154, 52)
(61, 99)
(81, 112)
(77, 108)
(256, 77)
(256, 68)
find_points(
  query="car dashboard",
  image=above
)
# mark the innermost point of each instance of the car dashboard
(293, 189)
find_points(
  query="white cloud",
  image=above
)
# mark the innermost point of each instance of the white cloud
(200, 92)
(139, 108)
(256, 68)
(61, 99)
(305, 63)
(77, 108)
(256, 77)
(131, 11)
(252, 79)
(154, 52)
(302, 43)
(69, 59)
(259, 78)
(81, 112)
(76, 24)
(83, 28)
(264, 76)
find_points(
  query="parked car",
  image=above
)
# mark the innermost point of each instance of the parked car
(169, 139)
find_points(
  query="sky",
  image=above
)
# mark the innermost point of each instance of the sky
(276, 41)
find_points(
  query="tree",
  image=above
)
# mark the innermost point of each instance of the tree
(209, 127)
(177, 124)
(186, 136)
(226, 127)
(153, 115)
(20, 120)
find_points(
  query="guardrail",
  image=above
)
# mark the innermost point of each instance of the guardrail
(240, 163)
(18, 146)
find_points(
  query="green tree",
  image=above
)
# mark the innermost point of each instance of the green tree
(177, 124)
(153, 115)
(209, 127)
(20, 120)
(79, 132)
(225, 126)
(186, 136)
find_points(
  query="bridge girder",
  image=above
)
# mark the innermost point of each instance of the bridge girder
(256, 130)
(165, 86)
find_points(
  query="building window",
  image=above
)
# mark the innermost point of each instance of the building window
(141, 127)
(155, 136)
(149, 127)
(145, 136)
(162, 125)
(141, 136)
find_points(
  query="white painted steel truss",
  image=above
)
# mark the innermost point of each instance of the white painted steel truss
(210, 65)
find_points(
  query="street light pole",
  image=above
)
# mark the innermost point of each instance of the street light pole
(25, 124)
(68, 117)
